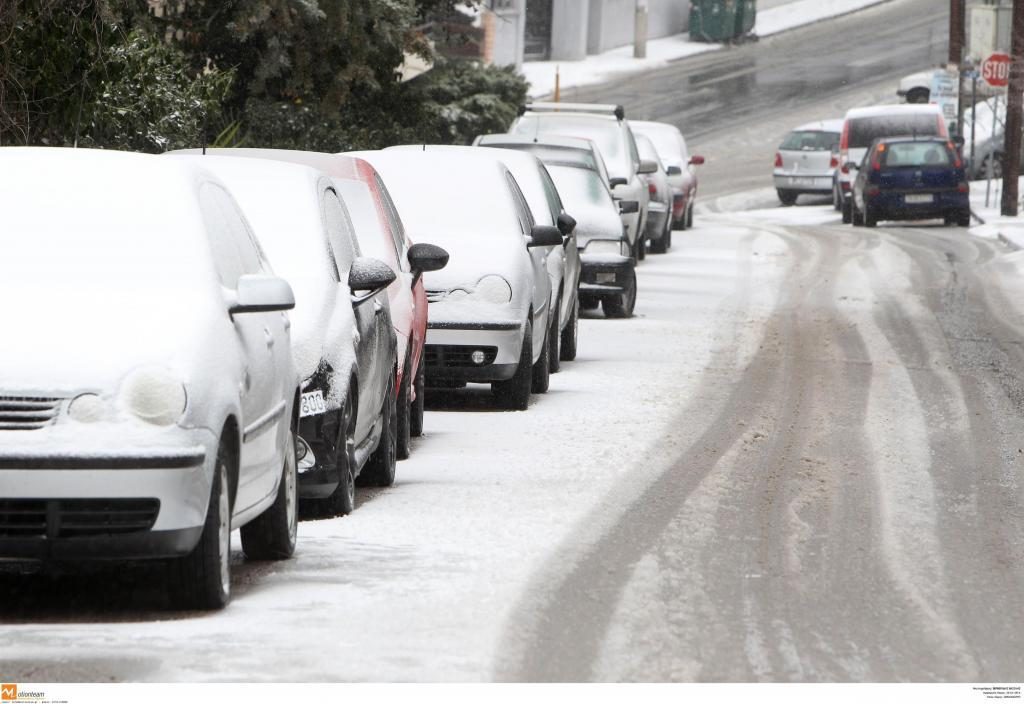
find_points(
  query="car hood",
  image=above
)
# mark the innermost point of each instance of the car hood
(471, 258)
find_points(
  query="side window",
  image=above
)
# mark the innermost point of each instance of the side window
(235, 251)
(522, 209)
(340, 237)
(395, 221)
(634, 153)
(551, 193)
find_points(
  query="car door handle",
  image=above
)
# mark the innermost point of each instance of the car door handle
(269, 337)
(287, 322)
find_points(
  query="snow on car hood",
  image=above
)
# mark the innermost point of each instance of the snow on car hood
(587, 200)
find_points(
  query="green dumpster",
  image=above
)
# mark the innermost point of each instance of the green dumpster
(713, 20)
(746, 15)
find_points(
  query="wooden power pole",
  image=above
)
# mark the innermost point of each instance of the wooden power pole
(957, 30)
(1011, 153)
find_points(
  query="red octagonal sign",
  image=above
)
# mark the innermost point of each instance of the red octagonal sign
(995, 70)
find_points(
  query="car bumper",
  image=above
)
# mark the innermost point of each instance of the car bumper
(450, 347)
(893, 206)
(71, 504)
(605, 274)
(804, 183)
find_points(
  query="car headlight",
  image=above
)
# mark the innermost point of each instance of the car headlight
(619, 247)
(154, 395)
(88, 408)
(493, 289)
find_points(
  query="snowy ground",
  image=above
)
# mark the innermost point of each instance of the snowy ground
(620, 61)
(1008, 229)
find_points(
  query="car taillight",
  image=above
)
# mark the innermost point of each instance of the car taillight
(652, 189)
(778, 160)
(963, 187)
(844, 159)
(872, 191)
(833, 162)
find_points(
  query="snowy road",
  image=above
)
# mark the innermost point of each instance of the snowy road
(801, 461)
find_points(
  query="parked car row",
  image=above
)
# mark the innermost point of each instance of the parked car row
(254, 331)
(888, 162)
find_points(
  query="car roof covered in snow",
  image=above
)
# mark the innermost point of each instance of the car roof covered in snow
(822, 126)
(899, 109)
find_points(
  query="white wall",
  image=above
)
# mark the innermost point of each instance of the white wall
(611, 21)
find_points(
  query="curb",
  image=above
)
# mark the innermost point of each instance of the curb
(1008, 242)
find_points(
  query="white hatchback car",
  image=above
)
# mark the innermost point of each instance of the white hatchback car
(147, 405)
(490, 308)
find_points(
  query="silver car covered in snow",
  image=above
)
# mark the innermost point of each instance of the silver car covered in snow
(147, 401)
(807, 160)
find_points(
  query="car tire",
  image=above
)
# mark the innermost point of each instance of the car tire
(786, 196)
(271, 535)
(555, 341)
(869, 218)
(589, 302)
(380, 467)
(571, 334)
(342, 500)
(964, 219)
(659, 246)
(514, 393)
(641, 248)
(621, 306)
(404, 413)
(419, 403)
(541, 373)
(837, 198)
(201, 580)
(689, 216)
(856, 217)
(847, 211)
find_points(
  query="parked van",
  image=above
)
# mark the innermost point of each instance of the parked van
(862, 126)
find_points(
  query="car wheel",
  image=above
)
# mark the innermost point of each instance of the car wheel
(689, 216)
(621, 306)
(641, 248)
(964, 219)
(541, 379)
(856, 216)
(554, 341)
(418, 403)
(514, 394)
(847, 211)
(837, 198)
(271, 535)
(380, 467)
(570, 335)
(404, 413)
(786, 197)
(342, 500)
(658, 246)
(202, 579)
(589, 302)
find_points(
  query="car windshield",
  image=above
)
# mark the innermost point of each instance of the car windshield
(865, 130)
(579, 188)
(671, 148)
(605, 133)
(916, 154)
(811, 141)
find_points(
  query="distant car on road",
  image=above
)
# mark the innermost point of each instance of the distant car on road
(907, 178)
(862, 126)
(148, 400)
(807, 160)
(916, 88)
(659, 208)
(679, 165)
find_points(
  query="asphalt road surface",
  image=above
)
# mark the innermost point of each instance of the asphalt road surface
(800, 461)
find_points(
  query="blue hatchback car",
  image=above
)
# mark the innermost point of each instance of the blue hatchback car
(911, 178)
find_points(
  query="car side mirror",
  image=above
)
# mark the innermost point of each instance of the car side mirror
(628, 207)
(674, 171)
(425, 257)
(566, 224)
(617, 181)
(697, 160)
(262, 293)
(647, 166)
(367, 278)
(544, 236)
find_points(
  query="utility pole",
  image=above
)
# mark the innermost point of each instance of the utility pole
(640, 30)
(1011, 152)
(957, 30)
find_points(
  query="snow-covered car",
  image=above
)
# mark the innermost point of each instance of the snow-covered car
(342, 337)
(148, 402)
(609, 268)
(916, 88)
(862, 126)
(562, 262)
(490, 308)
(679, 165)
(807, 160)
(659, 209)
(607, 126)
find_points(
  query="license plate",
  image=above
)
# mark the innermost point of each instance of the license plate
(312, 404)
(803, 182)
(918, 198)
(606, 278)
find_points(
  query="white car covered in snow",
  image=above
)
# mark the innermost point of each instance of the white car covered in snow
(146, 403)
(342, 338)
(490, 307)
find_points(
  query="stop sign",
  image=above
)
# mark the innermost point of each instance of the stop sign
(995, 70)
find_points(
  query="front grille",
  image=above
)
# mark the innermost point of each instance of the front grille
(27, 413)
(71, 518)
(454, 356)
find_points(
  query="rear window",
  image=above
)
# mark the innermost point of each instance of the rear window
(811, 141)
(915, 154)
(553, 154)
(865, 130)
